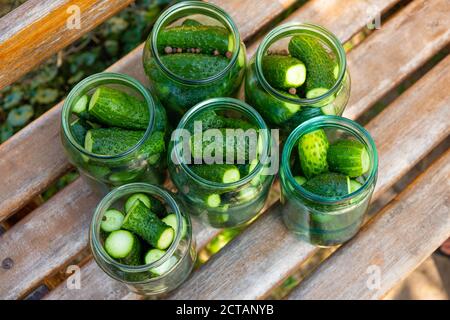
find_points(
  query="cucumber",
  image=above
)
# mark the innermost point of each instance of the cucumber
(234, 123)
(172, 221)
(248, 194)
(153, 204)
(195, 66)
(154, 255)
(312, 150)
(213, 200)
(112, 220)
(319, 64)
(79, 128)
(349, 157)
(329, 185)
(124, 246)
(206, 38)
(191, 23)
(124, 176)
(209, 120)
(221, 173)
(114, 141)
(80, 108)
(116, 108)
(300, 180)
(354, 185)
(283, 72)
(147, 225)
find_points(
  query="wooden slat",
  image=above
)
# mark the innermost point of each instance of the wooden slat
(24, 182)
(34, 31)
(393, 245)
(255, 262)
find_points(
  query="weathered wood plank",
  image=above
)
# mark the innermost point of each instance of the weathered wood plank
(266, 253)
(39, 28)
(404, 234)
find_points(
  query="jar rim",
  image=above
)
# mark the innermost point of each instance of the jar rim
(230, 103)
(205, 7)
(115, 195)
(327, 121)
(104, 78)
(290, 29)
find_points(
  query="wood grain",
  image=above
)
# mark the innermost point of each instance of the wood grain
(36, 30)
(405, 233)
(258, 260)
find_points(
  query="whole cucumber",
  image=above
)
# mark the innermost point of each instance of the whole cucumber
(349, 157)
(312, 150)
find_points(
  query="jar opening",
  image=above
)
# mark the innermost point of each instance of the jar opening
(279, 39)
(336, 128)
(202, 11)
(230, 105)
(87, 87)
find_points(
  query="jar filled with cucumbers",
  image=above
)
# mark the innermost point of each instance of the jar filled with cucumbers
(298, 72)
(114, 131)
(194, 53)
(219, 159)
(140, 237)
(328, 174)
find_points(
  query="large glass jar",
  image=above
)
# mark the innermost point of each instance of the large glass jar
(135, 164)
(282, 109)
(326, 221)
(178, 92)
(223, 205)
(181, 254)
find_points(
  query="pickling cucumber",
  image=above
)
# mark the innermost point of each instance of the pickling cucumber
(319, 64)
(213, 200)
(112, 220)
(221, 173)
(79, 128)
(206, 38)
(116, 108)
(329, 185)
(209, 120)
(191, 23)
(283, 72)
(195, 66)
(80, 108)
(124, 246)
(349, 157)
(152, 203)
(172, 221)
(312, 150)
(114, 141)
(154, 255)
(148, 226)
(234, 123)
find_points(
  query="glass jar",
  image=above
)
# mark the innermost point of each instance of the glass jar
(140, 279)
(326, 221)
(104, 172)
(285, 111)
(177, 93)
(236, 203)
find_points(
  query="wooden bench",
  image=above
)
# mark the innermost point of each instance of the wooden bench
(398, 237)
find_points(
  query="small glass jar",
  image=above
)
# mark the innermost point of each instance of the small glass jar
(284, 111)
(326, 221)
(104, 172)
(235, 203)
(140, 279)
(179, 94)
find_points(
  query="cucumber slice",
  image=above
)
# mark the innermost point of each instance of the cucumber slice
(172, 221)
(112, 220)
(213, 200)
(283, 72)
(354, 186)
(221, 173)
(300, 180)
(81, 105)
(147, 225)
(154, 255)
(195, 66)
(137, 197)
(124, 246)
(349, 157)
(312, 149)
(206, 38)
(116, 108)
(329, 185)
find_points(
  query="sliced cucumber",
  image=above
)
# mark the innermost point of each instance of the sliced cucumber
(300, 180)
(154, 255)
(171, 220)
(312, 149)
(329, 185)
(112, 220)
(124, 246)
(349, 157)
(213, 200)
(283, 72)
(148, 226)
(221, 173)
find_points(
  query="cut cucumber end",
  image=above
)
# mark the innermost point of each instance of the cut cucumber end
(336, 71)
(365, 161)
(166, 239)
(213, 200)
(88, 142)
(81, 105)
(354, 186)
(154, 255)
(134, 200)
(300, 180)
(231, 175)
(317, 92)
(112, 220)
(248, 194)
(296, 75)
(172, 221)
(329, 110)
(165, 267)
(94, 98)
(119, 244)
